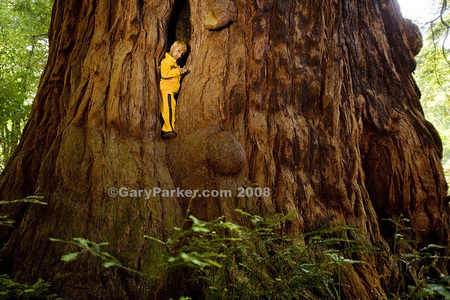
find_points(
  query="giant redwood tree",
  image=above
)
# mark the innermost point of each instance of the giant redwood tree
(312, 99)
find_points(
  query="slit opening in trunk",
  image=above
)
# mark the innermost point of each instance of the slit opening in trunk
(180, 26)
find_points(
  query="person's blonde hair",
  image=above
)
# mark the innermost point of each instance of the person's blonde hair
(179, 44)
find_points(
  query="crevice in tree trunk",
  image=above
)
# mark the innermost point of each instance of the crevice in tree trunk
(180, 25)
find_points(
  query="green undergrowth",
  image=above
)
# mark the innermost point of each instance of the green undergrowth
(223, 260)
(416, 272)
(256, 259)
(220, 259)
(5, 220)
(10, 289)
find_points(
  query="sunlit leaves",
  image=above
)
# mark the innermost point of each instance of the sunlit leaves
(23, 53)
(433, 78)
(70, 256)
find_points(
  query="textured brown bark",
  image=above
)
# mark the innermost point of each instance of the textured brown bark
(312, 99)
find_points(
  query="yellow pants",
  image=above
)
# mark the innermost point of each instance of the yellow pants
(168, 105)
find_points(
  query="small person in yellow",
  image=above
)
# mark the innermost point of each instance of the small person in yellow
(170, 86)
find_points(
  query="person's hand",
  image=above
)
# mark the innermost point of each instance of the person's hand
(183, 71)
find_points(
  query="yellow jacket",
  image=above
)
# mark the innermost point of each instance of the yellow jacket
(170, 74)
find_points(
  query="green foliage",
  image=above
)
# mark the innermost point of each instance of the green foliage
(258, 261)
(441, 288)
(230, 261)
(410, 277)
(94, 249)
(23, 53)
(433, 78)
(5, 221)
(10, 289)
(29, 199)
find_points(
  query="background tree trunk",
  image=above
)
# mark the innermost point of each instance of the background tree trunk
(312, 99)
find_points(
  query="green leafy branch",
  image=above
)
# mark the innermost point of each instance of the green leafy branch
(10, 289)
(29, 199)
(96, 250)
(412, 263)
(5, 220)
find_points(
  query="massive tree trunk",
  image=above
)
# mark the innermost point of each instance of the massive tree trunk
(312, 99)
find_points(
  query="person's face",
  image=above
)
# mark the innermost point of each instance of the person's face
(177, 53)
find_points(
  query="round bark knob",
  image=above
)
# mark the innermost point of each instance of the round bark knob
(226, 156)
